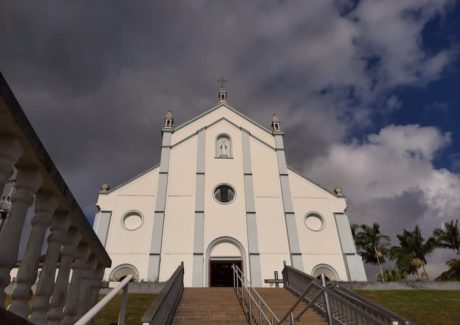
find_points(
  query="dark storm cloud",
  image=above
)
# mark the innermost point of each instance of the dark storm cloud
(392, 213)
(96, 78)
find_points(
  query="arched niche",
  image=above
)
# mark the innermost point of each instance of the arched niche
(224, 146)
(330, 273)
(123, 270)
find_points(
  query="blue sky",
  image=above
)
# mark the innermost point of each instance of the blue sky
(367, 91)
(437, 103)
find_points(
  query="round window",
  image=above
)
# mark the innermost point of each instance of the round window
(132, 220)
(314, 221)
(224, 193)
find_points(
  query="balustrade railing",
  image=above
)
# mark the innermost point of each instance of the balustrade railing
(73, 246)
(162, 310)
(335, 303)
(90, 314)
(255, 308)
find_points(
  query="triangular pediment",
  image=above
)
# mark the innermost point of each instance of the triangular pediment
(223, 107)
(222, 111)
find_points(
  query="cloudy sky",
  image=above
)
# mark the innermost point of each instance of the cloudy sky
(367, 91)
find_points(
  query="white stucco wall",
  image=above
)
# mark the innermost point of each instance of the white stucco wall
(130, 247)
(323, 246)
(222, 222)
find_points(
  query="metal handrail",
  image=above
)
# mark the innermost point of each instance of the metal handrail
(249, 299)
(164, 306)
(336, 306)
(90, 314)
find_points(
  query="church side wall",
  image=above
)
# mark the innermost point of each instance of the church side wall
(320, 245)
(130, 246)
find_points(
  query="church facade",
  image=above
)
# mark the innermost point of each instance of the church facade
(222, 195)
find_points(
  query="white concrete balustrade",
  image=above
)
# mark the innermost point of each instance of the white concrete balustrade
(45, 204)
(70, 277)
(60, 223)
(27, 184)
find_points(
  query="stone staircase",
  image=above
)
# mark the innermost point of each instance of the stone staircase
(280, 300)
(209, 306)
(220, 306)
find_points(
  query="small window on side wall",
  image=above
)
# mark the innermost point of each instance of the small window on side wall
(223, 146)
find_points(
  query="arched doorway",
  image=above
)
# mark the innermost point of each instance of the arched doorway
(222, 253)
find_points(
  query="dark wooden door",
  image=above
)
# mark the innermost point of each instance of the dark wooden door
(221, 273)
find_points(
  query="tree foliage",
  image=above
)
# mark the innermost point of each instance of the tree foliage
(411, 254)
(448, 236)
(371, 244)
(412, 251)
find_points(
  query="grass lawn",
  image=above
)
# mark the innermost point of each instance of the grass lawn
(420, 306)
(137, 306)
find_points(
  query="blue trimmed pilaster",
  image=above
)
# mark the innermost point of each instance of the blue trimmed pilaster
(289, 215)
(160, 205)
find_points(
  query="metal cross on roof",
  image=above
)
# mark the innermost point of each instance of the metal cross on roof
(221, 80)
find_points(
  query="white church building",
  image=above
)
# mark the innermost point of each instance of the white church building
(223, 194)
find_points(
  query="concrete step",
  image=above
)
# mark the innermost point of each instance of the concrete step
(209, 322)
(281, 300)
(209, 306)
(220, 306)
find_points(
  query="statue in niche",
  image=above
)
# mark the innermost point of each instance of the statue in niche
(223, 147)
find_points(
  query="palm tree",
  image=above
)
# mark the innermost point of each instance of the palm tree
(448, 236)
(372, 245)
(412, 251)
(453, 273)
(354, 230)
(392, 275)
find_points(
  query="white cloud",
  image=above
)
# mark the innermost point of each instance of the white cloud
(390, 178)
(391, 30)
(397, 159)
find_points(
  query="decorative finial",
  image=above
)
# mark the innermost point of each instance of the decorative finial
(276, 125)
(104, 188)
(169, 120)
(222, 91)
(338, 191)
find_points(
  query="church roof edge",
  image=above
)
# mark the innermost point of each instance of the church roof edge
(217, 107)
(292, 169)
(130, 180)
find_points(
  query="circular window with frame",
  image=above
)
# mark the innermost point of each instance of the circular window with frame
(132, 220)
(314, 221)
(224, 194)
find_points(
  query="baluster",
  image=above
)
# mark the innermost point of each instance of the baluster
(78, 269)
(45, 204)
(60, 223)
(58, 298)
(250, 307)
(11, 150)
(95, 287)
(260, 312)
(85, 287)
(27, 183)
